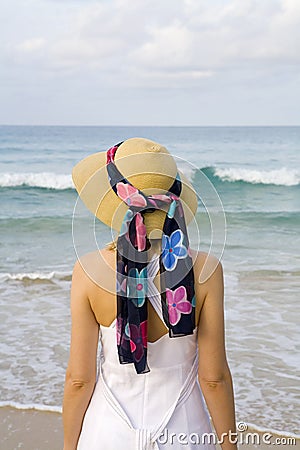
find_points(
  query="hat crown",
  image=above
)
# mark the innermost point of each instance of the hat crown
(139, 146)
(146, 164)
(155, 148)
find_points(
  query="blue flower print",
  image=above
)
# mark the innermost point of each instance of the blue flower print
(126, 221)
(172, 209)
(173, 249)
(194, 301)
(137, 286)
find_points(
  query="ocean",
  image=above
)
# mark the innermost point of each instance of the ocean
(248, 180)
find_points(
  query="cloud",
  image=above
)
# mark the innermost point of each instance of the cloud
(178, 40)
(193, 35)
(213, 38)
(233, 50)
(31, 45)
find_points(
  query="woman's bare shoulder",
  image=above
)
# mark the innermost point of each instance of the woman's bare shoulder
(97, 267)
(205, 266)
(102, 256)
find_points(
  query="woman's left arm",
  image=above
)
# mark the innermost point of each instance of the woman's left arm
(82, 366)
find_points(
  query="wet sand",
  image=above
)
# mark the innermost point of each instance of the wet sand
(30, 429)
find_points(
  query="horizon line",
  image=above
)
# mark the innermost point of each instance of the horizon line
(149, 126)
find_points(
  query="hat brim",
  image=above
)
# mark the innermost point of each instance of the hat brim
(92, 184)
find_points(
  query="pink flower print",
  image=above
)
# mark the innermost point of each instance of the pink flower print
(180, 209)
(161, 197)
(130, 195)
(111, 154)
(138, 339)
(177, 304)
(141, 232)
(121, 285)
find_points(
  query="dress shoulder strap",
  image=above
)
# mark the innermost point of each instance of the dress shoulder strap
(153, 293)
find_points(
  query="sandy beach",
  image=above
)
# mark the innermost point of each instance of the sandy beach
(39, 430)
(30, 429)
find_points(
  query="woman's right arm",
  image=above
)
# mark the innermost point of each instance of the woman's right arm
(214, 374)
(81, 371)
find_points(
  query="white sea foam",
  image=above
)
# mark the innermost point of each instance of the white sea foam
(186, 168)
(259, 429)
(281, 177)
(35, 276)
(46, 180)
(38, 407)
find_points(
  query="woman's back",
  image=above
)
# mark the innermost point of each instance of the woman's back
(100, 266)
(150, 409)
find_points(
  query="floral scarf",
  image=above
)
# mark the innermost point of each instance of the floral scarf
(176, 268)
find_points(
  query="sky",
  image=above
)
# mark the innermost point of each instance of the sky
(150, 62)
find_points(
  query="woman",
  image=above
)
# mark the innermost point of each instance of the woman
(158, 306)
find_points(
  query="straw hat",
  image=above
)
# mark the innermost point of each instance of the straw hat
(147, 165)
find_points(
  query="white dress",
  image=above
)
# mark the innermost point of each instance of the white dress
(161, 409)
